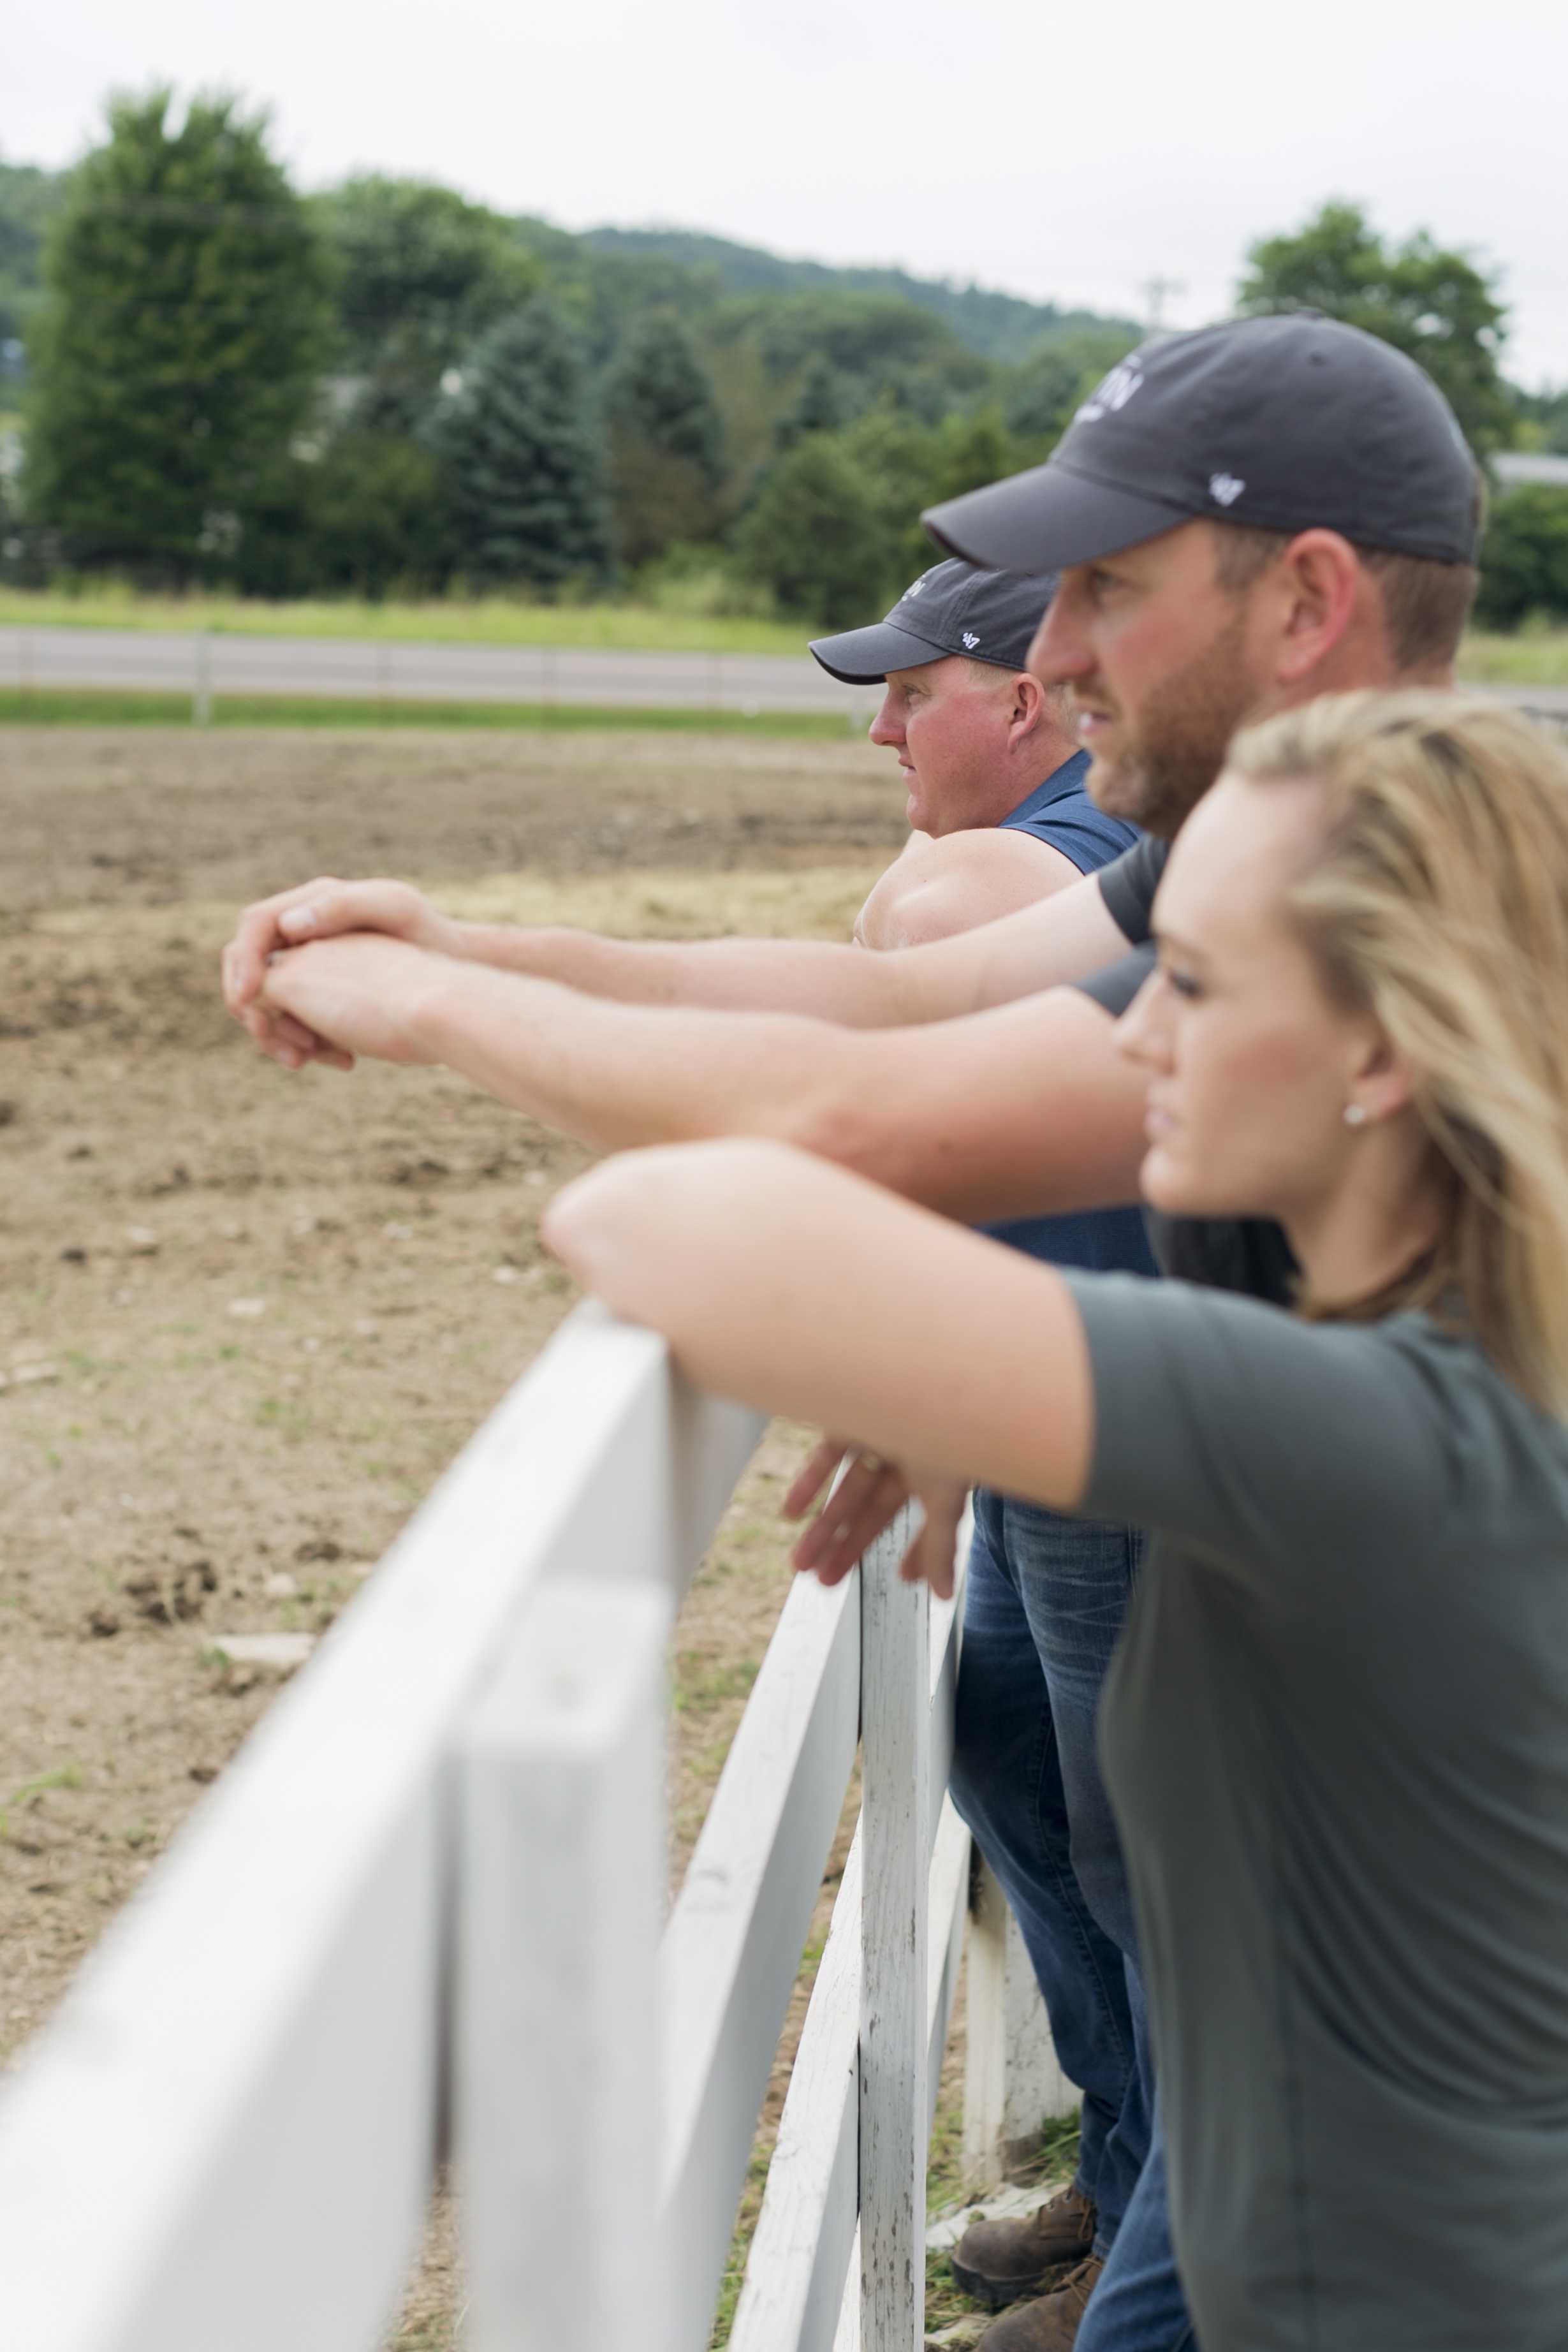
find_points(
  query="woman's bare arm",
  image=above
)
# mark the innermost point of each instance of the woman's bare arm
(809, 1292)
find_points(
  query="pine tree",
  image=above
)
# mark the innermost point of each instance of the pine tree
(525, 468)
(668, 440)
(186, 324)
(421, 273)
(813, 537)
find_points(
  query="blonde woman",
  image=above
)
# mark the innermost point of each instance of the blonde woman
(1337, 1733)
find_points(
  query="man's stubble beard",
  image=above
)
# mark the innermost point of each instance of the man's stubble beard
(1183, 731)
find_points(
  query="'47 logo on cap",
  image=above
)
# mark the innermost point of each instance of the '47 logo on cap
(1225, 489)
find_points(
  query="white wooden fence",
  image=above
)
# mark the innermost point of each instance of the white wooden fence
(423, 1909)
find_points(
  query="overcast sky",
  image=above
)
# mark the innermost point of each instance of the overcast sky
(1066, 154)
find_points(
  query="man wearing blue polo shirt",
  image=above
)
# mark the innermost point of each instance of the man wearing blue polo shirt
(995, 781)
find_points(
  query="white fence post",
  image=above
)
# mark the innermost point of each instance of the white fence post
(1012, 2076)
(895, 1742)
(559, 1907)
(731, 1948)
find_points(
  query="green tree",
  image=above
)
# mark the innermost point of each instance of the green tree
(666, 440)
(893, 453)
(1525, 557)
(813, 536)
(29, 199)
(186, 321)
(1435, 304)
(825, 400)
(526, 469)
(366, 515)
(1052, 382)
(904, 465)
(1544, 421)
(421, 273)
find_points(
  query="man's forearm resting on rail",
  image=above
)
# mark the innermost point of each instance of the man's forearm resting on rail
(1060, 939)
(1022, 1111)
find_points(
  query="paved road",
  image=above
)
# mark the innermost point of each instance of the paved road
(383, 672)
(148, 661)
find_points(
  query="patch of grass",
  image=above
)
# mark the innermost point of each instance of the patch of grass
(93, 706)
(1059, 2147)
(287, 1414)
(64, 1776)
(704, 1682)
(739, 2247)
(944, 2303)
(1536, 654)
(489, 620)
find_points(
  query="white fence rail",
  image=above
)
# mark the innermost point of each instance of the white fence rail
(423, 1906)
(210, 665)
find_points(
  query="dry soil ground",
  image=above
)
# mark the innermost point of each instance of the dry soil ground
(244, 1320)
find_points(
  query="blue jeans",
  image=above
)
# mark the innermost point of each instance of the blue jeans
(1137, 2306)
(1044, 1610)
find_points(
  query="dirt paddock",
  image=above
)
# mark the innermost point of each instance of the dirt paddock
(245, 1320)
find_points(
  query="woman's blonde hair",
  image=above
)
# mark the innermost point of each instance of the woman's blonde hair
(1437, 902)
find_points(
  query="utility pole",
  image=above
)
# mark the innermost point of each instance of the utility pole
(1154, 292)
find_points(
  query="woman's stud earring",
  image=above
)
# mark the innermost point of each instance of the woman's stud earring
(1355, 1115)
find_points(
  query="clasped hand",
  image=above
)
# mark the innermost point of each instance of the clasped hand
(319, 972)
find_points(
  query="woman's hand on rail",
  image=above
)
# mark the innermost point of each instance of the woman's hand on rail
(863, 1505)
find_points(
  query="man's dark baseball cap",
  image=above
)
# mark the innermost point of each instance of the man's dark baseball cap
(1286, 423)
(954, 608)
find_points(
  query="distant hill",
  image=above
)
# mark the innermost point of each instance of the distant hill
(679, 266)
(1001, 327)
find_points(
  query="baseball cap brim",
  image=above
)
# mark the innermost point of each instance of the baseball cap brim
(1046, 519)
(864, 657)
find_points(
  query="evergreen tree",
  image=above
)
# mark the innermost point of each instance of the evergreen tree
(1525, 558)
(29, 199)
(366, 515)
(1436, 306)
(823, 402)
(178, 351)
(526, 470)
(815, 537)
(421, 273)
(660, 391)
(666, 440)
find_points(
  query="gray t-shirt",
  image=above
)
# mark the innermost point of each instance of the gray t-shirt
(1336, 1738)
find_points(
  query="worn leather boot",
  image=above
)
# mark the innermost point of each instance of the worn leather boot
(1051, 2324)
(995, 2261)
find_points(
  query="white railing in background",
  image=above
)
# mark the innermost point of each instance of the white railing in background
(423, 1908)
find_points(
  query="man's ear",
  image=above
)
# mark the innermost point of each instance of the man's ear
(1028, 703)
(1321, 594)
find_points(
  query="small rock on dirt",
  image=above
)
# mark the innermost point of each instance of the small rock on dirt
(284, 1651)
